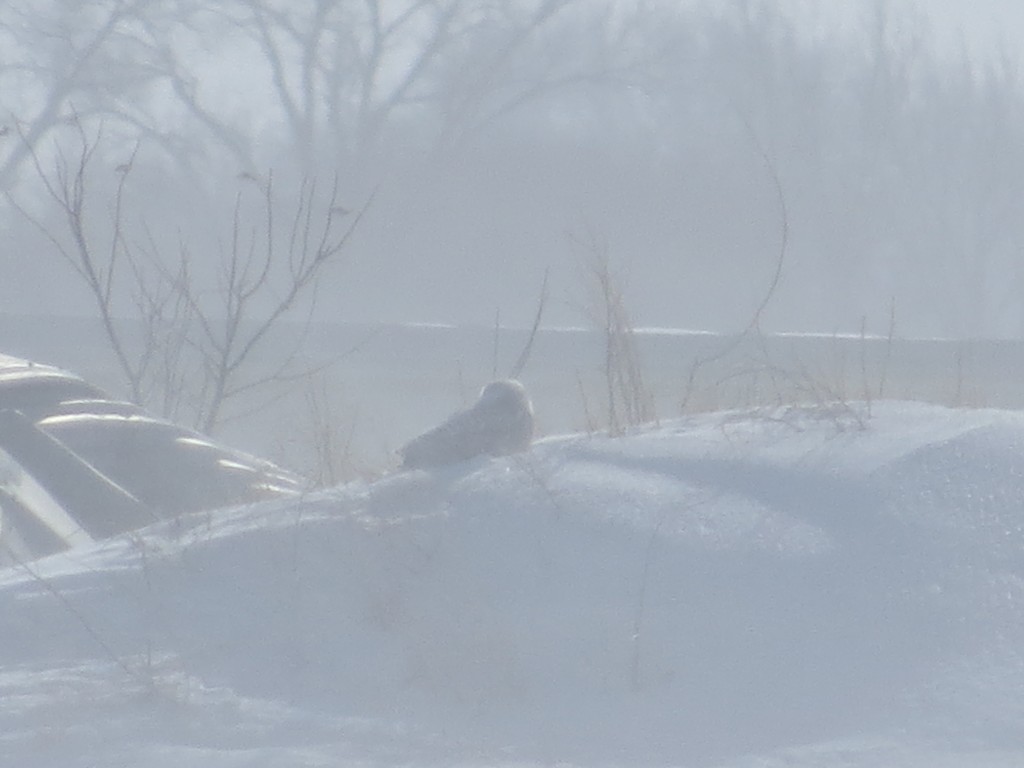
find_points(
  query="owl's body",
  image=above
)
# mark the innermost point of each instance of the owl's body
(499, 423)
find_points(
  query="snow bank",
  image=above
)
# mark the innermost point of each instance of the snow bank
(802, 587)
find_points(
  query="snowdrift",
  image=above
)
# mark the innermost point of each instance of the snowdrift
(800, 587)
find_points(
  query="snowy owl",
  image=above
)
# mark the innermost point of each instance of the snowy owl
(500, 422)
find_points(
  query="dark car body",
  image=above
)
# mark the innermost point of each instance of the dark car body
(77, 465)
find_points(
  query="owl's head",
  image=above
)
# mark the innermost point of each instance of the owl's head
(504, 394)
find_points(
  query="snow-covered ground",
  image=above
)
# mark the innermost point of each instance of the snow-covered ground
(796, 587)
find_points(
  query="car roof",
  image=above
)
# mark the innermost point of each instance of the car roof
(11, 366)
(75, 456)
(29, 386)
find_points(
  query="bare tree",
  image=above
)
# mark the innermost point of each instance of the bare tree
(336, 80)
(68, 63)
(190, 346)
(346, 75)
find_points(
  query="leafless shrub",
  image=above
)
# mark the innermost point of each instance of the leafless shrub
(590, 424)
(324, 435)
(753, 327)
(964, 394)
(524, 355)
(628, 400)
(200, 348)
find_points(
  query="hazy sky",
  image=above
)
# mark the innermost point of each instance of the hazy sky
(979, 23)
(663, 176)
(982, 22)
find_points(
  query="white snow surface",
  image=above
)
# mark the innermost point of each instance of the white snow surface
(799, 587)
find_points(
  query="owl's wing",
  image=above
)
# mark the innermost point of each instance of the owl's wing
(462, 436)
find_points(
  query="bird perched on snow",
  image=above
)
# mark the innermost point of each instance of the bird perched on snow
(500, 422)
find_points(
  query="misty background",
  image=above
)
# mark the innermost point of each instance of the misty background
(497, 135)
(860, 164)
(313, 228)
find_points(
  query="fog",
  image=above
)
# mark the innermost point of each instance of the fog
(490, 144)
(723, 244)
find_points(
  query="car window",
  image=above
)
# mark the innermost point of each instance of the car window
(162, 465)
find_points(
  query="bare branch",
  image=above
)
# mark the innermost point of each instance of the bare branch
(524, 356)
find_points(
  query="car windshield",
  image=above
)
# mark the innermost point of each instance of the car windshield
(164, 466)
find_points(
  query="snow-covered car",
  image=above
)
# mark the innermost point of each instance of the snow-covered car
(77, 465)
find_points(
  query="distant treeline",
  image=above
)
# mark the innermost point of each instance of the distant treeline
(490, 135)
